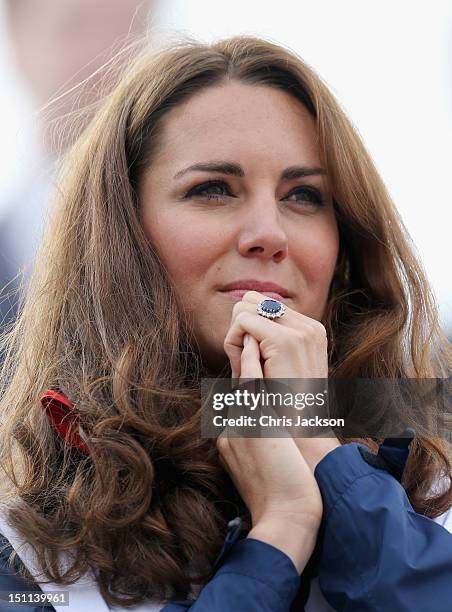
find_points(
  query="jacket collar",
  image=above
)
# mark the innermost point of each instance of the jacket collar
(83, 595)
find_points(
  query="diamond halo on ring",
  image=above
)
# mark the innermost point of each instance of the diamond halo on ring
(271, 309)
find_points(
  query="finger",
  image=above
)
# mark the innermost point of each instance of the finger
(258, 327)
(250, 362)
(248, 304)
(293, 330)
(235, 357)
(291, 317)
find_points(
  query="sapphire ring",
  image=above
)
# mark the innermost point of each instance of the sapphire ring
(271, 309)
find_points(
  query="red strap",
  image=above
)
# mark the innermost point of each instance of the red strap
(59, 410)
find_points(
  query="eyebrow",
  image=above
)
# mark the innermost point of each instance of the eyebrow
(224, 167)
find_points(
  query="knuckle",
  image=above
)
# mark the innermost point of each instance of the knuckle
(320, 334)
(242, 317)
(315, 331)
(222, 442)
(320, 329)
(237, 308)
(299, 335)
(306, 334)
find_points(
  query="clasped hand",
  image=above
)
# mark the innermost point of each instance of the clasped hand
(275, 476)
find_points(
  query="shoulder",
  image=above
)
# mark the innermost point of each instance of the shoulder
(15, 578)
(11, 564)
(18, 567)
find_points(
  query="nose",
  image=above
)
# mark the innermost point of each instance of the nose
(261, 233)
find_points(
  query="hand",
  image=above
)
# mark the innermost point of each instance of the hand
(275, 483)
(273, 479)
(292, 346)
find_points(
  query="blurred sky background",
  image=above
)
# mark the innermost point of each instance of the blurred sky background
(388, 63)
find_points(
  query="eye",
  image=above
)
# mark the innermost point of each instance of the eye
(310, 195)
(200, 190)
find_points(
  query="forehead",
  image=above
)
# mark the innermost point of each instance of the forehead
(234, 119)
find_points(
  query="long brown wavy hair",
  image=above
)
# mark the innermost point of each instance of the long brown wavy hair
(100, 322)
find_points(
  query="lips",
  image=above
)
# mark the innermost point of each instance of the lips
(264, 287)
(239, 293)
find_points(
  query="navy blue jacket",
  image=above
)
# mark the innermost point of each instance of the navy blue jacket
(374, 552)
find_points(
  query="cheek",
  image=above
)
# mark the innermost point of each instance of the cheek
(321, 265)
(185, 245)
(316, 256)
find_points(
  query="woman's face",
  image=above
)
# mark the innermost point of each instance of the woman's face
(247, 221)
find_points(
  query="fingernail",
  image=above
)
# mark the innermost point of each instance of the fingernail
(246, 339)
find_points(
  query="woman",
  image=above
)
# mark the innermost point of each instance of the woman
(212, 168)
